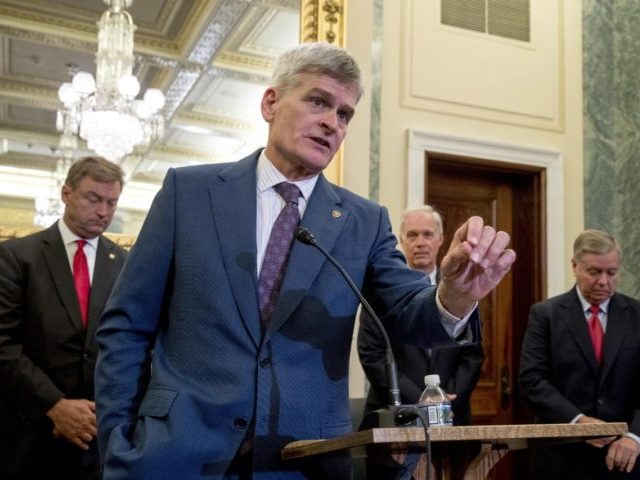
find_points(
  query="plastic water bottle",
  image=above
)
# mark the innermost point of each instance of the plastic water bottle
(435, 401)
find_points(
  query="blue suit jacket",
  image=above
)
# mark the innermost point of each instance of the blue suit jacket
(186, 305)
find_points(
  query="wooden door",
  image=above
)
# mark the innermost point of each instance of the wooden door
(509, 199)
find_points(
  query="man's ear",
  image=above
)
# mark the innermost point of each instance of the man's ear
(64, 194)
(268, 104)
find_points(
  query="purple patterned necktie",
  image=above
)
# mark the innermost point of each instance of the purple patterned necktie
(277, 253)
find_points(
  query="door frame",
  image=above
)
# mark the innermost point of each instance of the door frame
(421, 142)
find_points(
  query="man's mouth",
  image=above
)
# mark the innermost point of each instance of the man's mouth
(322, 142)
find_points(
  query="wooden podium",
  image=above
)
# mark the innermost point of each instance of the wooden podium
(492, 442)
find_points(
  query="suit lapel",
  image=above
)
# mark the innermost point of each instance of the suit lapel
(574, 318)
(105, 272)
(57, 261)
(233, 202)
(325, 218)
(618, 322)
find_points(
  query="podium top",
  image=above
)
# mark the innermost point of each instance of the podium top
(483, 433)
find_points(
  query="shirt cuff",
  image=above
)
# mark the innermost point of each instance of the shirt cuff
(456, 327)
(634, 436)
(628, 434)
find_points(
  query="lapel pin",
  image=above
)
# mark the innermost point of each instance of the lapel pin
(336, 214)
(112, 256)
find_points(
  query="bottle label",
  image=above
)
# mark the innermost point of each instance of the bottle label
(440, 415)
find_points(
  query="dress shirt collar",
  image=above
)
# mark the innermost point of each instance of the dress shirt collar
(604, 306)
(433, 276)
(268, 176)
(68, 237)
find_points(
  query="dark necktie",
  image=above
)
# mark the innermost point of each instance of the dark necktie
(277, 253)
(81, 280)
(597, 334)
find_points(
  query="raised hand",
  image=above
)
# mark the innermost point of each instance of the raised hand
(477, 259)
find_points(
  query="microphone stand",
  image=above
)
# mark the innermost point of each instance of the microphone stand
(396, 414)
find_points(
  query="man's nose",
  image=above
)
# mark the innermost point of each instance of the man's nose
(422, 240)
(330, 120)
(103, 209)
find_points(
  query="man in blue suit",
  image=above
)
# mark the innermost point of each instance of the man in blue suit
(194, 379)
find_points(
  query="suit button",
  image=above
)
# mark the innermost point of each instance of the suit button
(600, 401)
(240, 423)
(86, 357)
(265, 362)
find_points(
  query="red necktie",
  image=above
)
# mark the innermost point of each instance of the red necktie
(81, 280)
(595, 329)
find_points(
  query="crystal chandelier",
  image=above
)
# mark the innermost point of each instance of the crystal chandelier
(105, 111)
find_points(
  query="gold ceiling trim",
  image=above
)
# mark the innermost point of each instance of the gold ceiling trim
(29, 94)
(19, 135)
(173, 151)
(29, 20)
(237, 60)
(75, 34)
(214, 121)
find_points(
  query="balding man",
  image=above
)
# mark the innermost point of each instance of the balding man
(421, 236)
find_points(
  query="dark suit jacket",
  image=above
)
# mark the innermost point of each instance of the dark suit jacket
(188, 294)
(459, 368)
(559, 374)
(45, 354)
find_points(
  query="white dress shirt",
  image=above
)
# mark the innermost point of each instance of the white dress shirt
(69, 239)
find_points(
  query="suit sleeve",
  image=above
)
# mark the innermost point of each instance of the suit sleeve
(31, 390)
(372, 353)
(467, 373)
(405, 303)
(535, 371)
(130, 321)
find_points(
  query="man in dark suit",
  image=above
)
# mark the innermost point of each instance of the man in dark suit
(581, 363)
(421, 236)
(248, 343)
(47, 327)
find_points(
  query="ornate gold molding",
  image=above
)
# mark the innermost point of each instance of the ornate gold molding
(233, 59)
(211, 119)
(30, 95)
(325, 21)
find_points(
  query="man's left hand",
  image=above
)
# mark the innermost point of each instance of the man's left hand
(477, 260)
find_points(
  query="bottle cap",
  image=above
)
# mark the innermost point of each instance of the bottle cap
(432, 379)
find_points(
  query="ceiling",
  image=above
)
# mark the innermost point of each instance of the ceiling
(211, 58)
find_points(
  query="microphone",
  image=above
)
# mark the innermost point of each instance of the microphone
(402, 415)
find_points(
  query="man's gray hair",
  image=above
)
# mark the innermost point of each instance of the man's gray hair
(428, 209)
(596, 242)
(317, 59)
